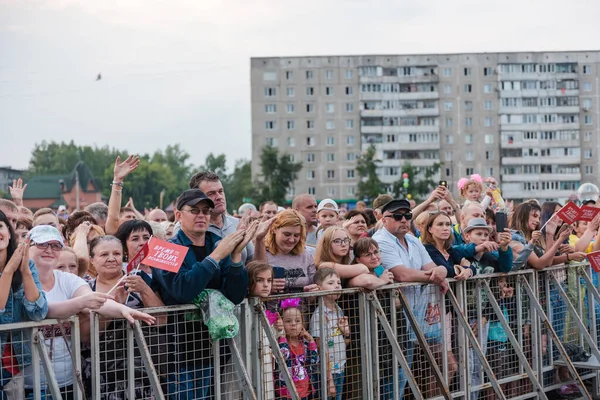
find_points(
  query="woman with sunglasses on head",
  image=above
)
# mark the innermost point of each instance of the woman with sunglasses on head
(356, 225)
(333, 251)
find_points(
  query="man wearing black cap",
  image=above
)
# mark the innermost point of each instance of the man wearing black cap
(405, 256)
(210, 263)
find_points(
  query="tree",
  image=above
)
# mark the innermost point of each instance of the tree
(278, 174)
(216, 164)
(177, 160)
(239, 187)
(420, 181)
(369, 186)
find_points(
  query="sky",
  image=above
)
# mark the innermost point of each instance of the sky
(178, 71)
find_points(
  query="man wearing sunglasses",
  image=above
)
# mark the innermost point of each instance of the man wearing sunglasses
(408, 260)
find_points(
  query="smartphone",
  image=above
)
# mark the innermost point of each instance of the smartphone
(443, 183)
(278, 272)
(501, 221)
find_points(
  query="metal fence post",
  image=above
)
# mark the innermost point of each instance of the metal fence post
(95, 353)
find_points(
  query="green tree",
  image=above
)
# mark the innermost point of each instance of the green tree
(278, 174)
(369, 186)
(420, 180)
(239, 187)
(177, 160)
(216, 164)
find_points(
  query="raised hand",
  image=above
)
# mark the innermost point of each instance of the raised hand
(535, 237)
(263, 228)
(122, 169)
(248, 236)
(17, 258)
(227, 245)
(16, 191)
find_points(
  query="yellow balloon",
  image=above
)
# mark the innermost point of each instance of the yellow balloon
(409, 196)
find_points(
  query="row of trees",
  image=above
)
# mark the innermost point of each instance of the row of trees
(169, 171)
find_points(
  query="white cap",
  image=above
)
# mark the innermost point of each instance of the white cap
(62, 208)
(328, 204)
(45, 234)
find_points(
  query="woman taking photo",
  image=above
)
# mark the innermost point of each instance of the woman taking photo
(21, 297)
(281, 242)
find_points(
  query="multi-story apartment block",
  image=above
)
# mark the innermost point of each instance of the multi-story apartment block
(7, 175)
(529, 119)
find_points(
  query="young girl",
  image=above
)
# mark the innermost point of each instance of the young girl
(471, 189)
(328, 214)
(337, 330)
(299, 351)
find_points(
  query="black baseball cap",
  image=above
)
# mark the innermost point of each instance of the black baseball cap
(191, 197)
(396, 205)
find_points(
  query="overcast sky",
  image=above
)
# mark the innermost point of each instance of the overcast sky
(178, 71)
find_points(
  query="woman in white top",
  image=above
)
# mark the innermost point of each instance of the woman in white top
(67, 295)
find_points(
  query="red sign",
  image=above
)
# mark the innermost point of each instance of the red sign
(569, 213)
(164, 255)
(588, 213)
(594, 259)
(137, 259)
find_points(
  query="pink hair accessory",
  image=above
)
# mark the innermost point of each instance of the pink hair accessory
(461, 183)
(290, 303)
(271, 316)
(477, 178)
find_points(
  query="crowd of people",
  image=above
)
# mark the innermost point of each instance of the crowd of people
(55, 265)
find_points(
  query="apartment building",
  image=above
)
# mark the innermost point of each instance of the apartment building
(529, 119)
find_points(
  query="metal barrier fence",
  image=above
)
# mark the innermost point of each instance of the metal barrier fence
(493, 336)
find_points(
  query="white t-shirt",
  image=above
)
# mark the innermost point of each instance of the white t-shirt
(65, 286)
(336, 345)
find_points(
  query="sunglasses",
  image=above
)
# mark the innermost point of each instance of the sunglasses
(398, 217)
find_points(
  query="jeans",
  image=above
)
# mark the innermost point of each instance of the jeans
(338, 381)
(191, 383)
(387, 383)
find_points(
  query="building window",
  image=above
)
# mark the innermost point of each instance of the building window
(469, 156)
(310, 107)
(448, 89)
(350, 140)
(489, 171)
(587, 120)
(589, 170)
(489, 155)
(587, 104)
(468, 105)
(350, 156)
(330, 157)
(349, 90)
(310, 91)
(310, 174)
(310, 141)
(291, 141)
(488, 105)
(489, 121)
(271, 141)
(447, 171)
(468, 72)
(292, 158)
(270, 108)
(310, 157)
(349, 74)
(488, 71)
(311, 190)
(468, 88)
(587, 69)
(447, 72)
(350, 173)
(329, 125)
(329, 91)
(310, 124)
(330, 141)
(309, 74)
(270, 125)
(449, 156)
(349, 123)
(349, 107)
(587, 153)
(487, 88)
(587, 86)
(469, 139)
(289, 75)
(270, 92)
(329, 108)
(331, 191)
(469, 121)
(351, 191)
(469, 171)
(489, 139)
(449, 139)
(291, 125)
(290, 92)
(587, 136)
(290, 108)
(329, 74)
(330, 174)
(448, 106)
(448, 122)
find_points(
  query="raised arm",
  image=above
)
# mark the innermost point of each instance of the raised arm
(437, 194)
(16, 191)
(121, 170)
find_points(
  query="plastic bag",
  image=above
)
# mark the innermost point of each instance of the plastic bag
(217, 312)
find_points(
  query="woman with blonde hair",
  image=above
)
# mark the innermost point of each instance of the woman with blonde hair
(333, 251)
(281, 241)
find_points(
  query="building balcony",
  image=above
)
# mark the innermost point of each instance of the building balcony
(562, 160)
(540, 177)
(399, 162)
(537, 143)
(539, 110)
(399, 96)
(400, 129)
(538, 93)
(537, 76)
(371, 129)
(416, 112)
(409, 146)
(539, 127)
(519, 192)
(400, 79)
